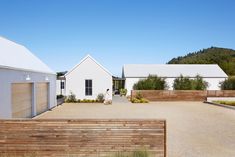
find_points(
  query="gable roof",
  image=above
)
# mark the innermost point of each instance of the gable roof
(173, 70)
(18, 57)
(85, 58)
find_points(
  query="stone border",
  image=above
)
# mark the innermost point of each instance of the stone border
(221, 105)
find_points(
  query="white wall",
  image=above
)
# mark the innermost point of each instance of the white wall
(213, 83)
(58, 87)
(7, 77)
(88, 69)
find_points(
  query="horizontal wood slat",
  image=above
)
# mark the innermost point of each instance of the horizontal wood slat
(182, 95)
(85, 137)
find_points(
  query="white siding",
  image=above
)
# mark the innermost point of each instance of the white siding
(7, 77)
(88, 69)
(214, 83)
(60, 91)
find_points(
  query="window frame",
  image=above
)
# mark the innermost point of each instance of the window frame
(88, 87)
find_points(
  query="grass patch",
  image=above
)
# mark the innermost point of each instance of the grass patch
(138, 153)
(230, 103)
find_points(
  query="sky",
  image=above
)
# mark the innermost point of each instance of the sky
(117, 32)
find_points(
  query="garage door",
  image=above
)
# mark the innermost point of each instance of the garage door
(41, 97)
(21, 100)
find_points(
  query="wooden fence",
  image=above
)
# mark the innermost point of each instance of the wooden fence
(79, 138)
(182, 95)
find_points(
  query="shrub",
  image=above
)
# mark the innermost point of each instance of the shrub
(123, 92)
(59, 96)
(100, 97)
(199, 84)
(139, 99)
(71, 98)
(185, 83)
(138, 95)
(151, 83)
(228, 84)
(182, 83)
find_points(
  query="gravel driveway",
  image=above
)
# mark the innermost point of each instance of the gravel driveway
(194, 129)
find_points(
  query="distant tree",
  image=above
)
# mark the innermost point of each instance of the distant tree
(225, 58)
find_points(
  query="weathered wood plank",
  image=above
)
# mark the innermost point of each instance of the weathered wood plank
(86, 137)
(182, 95)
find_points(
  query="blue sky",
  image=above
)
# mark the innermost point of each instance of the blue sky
(117, 32)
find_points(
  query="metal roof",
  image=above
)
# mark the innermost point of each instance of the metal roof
(173, 70)
(18, 57)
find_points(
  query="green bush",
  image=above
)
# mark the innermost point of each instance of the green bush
(199, 84)
(123, 92)
(151, 83)
(138, 95)
(100, 97)
(59, 96)
(71, 98)
(139, 99)
(228, 84)
(185, 83)
(182, 83)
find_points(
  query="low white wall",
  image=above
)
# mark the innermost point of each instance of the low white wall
(210, 99)
(213, 83)
(7, 77)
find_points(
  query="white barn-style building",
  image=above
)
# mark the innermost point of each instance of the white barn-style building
(88, 79)
(28, 86)
(211, 73)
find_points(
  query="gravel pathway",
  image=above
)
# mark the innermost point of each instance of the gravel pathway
(194, 129)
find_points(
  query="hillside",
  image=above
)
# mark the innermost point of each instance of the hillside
(225, 58)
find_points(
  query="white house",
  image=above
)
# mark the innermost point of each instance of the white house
(211, 73)
(88, 79)
(60, 85)
(27, 84)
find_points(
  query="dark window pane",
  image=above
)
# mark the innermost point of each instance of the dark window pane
(88, 87)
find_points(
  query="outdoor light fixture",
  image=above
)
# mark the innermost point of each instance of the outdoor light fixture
(46, 78)
(27, 78)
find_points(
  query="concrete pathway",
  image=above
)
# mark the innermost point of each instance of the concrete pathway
(117, 99)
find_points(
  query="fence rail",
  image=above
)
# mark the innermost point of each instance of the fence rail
(79, 138)
(182, 95)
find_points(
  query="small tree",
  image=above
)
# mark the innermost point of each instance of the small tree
(182, 83)
(228, 84)
(151, 83)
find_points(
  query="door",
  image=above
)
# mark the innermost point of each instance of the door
(41, 97)
(21, 97)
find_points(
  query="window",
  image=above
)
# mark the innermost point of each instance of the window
(88, 87)
(62, 85)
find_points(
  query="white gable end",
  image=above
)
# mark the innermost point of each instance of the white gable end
(88, 69)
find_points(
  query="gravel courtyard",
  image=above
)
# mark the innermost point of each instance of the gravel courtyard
(194, 129)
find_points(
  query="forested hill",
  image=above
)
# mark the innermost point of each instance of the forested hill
(225, 58)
